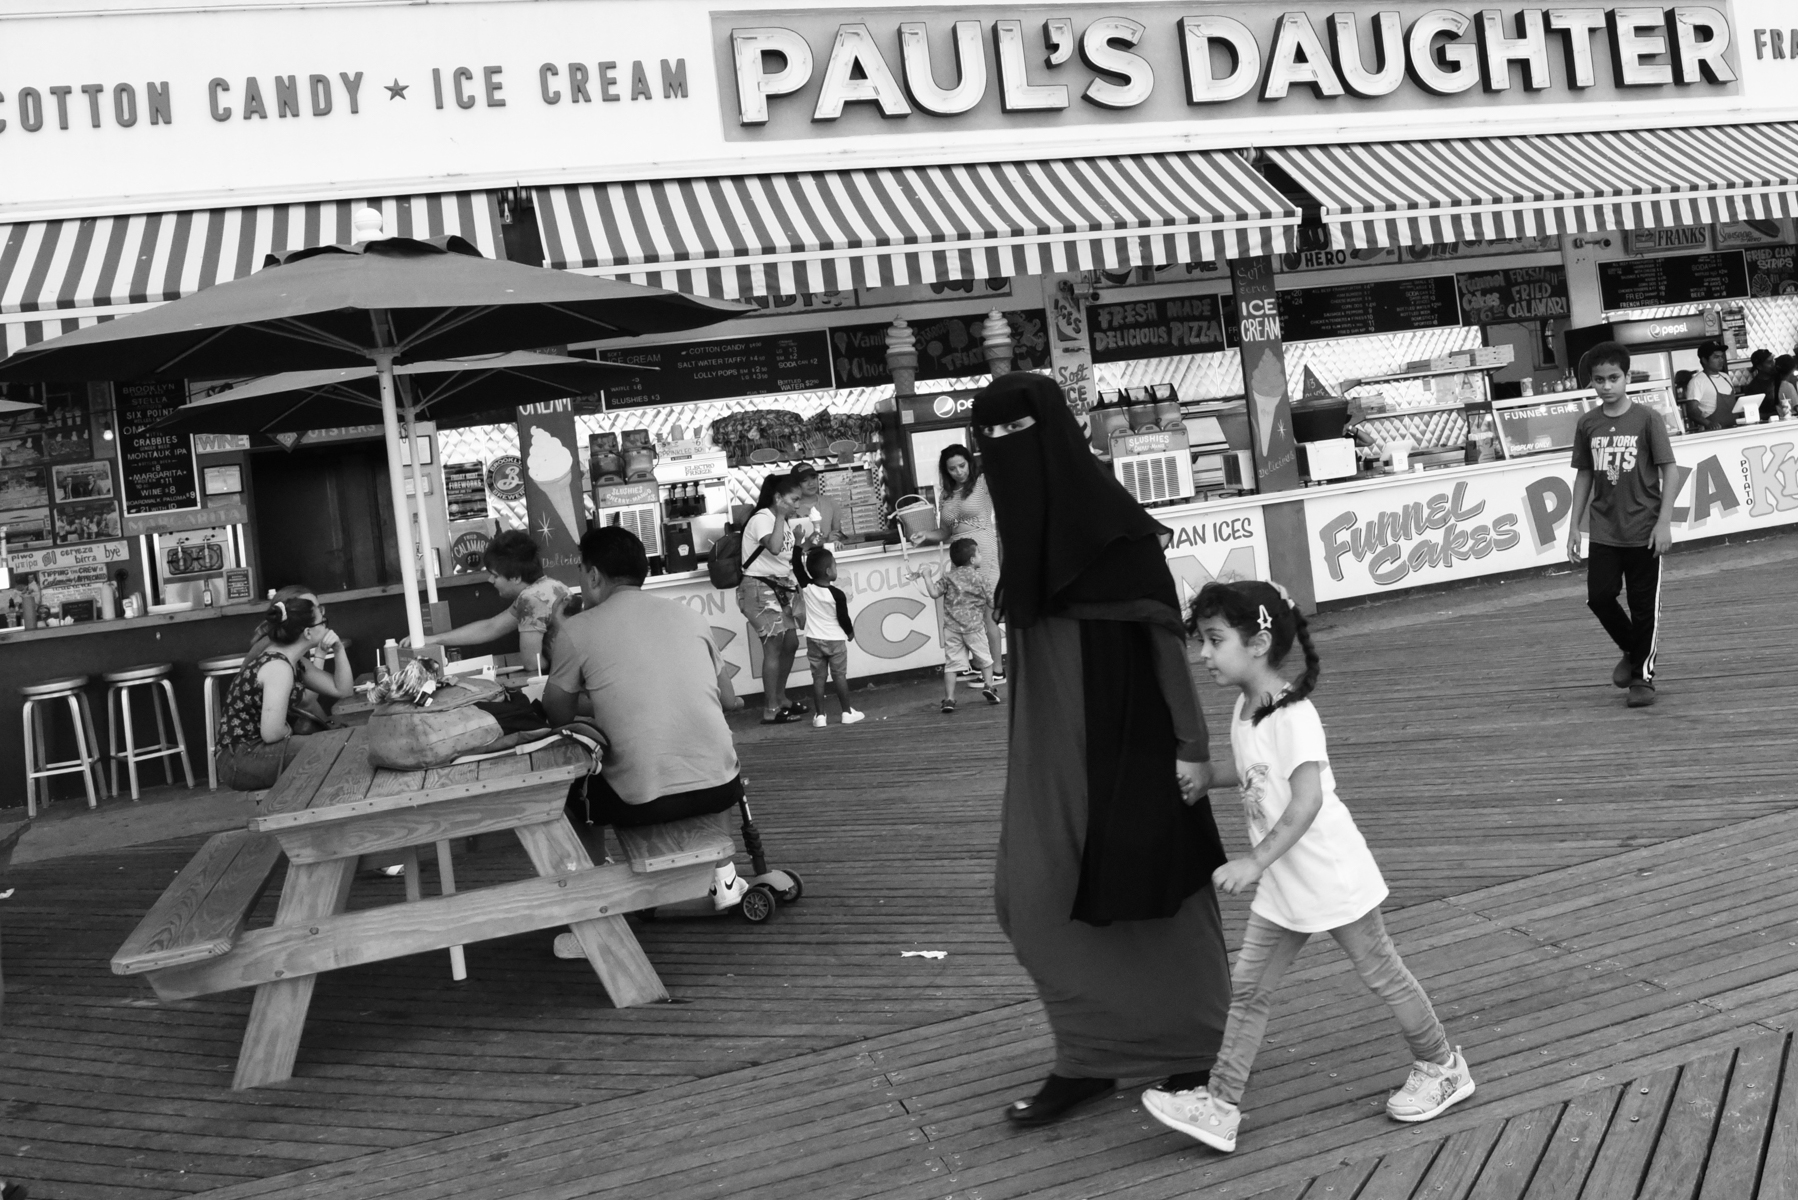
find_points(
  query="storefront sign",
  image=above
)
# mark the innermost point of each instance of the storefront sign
(1759, 232)
(220, 443)
(1670, 240)
(505, 477)
(125, 108)
(948, 348)
(1221, 544)
(1514, 294)
(1155, 328)
(468, 549)
(1258, 326)
(758, 366)
(100, 553)
(193, 518)
(1436, 527)
(158, 466)
(465, 491)
(554, 495)
(1667, 329)
(1772, 271)
(1659, 282)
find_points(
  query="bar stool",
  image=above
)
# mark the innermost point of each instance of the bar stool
(212, 671)
(87, 745)
(121, 684)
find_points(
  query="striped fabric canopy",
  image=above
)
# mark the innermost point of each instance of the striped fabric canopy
(828, 231)
(82, 271)
(1434, 193)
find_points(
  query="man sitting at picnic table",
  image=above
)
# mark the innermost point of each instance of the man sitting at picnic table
(649, 668)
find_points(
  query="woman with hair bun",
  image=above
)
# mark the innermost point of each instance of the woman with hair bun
(256, 738)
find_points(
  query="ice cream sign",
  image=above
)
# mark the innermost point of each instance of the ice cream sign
(553, 491)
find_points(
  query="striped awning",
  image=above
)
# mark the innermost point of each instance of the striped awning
(57, 276)
(828, 231)
(1438, 192)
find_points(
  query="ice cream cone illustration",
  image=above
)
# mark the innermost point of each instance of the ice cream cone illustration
(551, 468)
(1267, 385)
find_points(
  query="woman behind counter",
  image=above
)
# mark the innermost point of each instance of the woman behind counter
(966, 509)
(256, 738)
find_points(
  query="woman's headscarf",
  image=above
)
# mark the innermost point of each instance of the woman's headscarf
(1072, 534)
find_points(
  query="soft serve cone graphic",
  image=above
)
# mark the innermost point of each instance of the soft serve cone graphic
(1267, 384)
(551, 466)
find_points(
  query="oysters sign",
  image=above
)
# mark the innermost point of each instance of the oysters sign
(801, 73)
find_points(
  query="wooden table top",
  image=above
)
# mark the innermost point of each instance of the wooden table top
(333, 780)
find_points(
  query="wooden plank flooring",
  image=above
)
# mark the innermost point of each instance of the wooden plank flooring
(1591, 895)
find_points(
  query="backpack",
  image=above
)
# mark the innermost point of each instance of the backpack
(726, 565)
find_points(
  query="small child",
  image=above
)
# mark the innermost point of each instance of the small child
(824, 616)
(967, 596)
(1624, 490)
(1312, 866)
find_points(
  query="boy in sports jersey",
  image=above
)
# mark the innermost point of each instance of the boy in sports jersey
(1625, 491)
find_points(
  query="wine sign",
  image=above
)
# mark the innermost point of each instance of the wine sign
(158, 466)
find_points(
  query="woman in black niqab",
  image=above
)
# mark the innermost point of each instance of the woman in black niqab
(1103, 880)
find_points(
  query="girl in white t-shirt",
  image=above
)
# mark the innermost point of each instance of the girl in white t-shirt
(1310, 867)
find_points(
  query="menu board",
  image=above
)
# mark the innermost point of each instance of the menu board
(1155, 328)
(465, 491)
(1685, 279)
(158, 467)
(948, 347)
(1361, 309)
(1772, 270)
(758, 366)
(1514, 294)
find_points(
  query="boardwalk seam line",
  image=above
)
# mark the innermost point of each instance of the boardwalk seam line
(1779, 1087)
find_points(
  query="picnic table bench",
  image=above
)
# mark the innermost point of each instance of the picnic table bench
(333, 806)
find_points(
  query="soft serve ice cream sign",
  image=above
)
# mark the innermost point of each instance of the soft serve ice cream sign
(553, 491)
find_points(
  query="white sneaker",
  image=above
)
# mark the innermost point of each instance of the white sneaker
(818, 722)
(728, 887)
(1431, 1089)
(1197, 1114)
(568, 946)
(852, 716)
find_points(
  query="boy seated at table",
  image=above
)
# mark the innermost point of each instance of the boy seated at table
(513, 561)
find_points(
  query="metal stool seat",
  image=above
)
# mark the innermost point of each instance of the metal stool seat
(120, 684)
(212, 670)
(38, 766)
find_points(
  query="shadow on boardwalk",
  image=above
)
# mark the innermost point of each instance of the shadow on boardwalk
(1591, 894)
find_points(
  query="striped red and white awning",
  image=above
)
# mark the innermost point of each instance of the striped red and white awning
(56, 276)
(829, 231)
(1476, 189)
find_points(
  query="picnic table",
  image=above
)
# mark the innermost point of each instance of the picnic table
(332, 807)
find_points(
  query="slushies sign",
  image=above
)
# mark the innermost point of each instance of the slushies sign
(141, 106)
(793, 71)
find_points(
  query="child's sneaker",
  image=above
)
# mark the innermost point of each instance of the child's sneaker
(818, 722)
(992, 697)
(569, 946)
(1431, 1089)
(854, 715)
(1197, 1114)
(948, 706)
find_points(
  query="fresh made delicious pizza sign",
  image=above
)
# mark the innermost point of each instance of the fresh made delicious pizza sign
(142, 106)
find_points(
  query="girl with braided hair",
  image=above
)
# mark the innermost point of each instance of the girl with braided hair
(1310, 867)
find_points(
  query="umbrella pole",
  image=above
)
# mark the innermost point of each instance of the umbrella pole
(390, 424)
(418, 496)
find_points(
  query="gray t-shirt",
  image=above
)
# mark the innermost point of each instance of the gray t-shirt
(650, 668)
(1625, 455)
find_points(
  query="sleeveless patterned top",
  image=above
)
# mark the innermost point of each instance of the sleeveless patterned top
(241, 724)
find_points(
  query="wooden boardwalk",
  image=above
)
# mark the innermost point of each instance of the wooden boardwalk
(1592, 895)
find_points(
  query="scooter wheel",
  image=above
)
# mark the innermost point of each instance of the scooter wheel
(797, 890)
(757, 904)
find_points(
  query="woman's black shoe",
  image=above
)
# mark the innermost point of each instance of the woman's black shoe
(1057, 1095)
(1186, 1081)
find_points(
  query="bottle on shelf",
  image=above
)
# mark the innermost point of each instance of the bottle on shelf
(206, 594)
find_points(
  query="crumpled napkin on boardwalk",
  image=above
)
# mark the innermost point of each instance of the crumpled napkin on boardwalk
(923, 954)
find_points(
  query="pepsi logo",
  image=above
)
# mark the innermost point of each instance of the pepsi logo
(944, 406)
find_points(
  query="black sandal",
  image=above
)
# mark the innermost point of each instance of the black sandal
(785, 716)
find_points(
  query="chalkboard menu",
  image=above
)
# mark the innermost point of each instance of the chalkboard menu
(1514, 294)
(1155, 328)
(758, 366)
(1685, 279)
(158, 466)
(1772, 270)
(1361, 309)
(948, 347)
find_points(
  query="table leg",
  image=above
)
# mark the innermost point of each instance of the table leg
(446, 877)
(278, 1014)
(623, 969)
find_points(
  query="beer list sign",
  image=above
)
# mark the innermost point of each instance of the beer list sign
(158, 466)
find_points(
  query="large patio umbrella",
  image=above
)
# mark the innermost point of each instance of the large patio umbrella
(382, 301)
(296, 401)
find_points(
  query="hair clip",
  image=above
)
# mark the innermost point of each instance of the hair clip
(1267, 622)
(282, 605)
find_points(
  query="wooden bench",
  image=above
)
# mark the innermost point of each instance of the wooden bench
(653, 848)
(202, 913)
